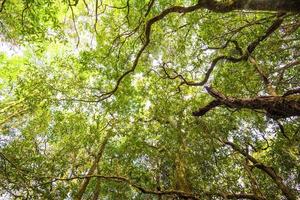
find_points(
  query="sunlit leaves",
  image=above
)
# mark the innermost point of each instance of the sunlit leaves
(60, 57)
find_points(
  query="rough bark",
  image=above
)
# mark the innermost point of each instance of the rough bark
(276, 106)
(260, 5)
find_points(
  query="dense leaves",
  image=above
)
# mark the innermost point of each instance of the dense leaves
(107, 99)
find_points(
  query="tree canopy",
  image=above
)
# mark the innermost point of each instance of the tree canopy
(151, 99)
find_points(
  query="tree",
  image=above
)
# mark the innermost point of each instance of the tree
(150, 99)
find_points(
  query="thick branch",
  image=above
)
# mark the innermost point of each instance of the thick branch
(265, 5)
(275, 106)
(291, 92)
(208, 107)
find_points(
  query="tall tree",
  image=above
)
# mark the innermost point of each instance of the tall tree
(149, 99)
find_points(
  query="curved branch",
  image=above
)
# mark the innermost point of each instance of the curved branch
(150, 5)
(291, 92)
(181, 9)
(268, 85)
(177, 193)
(268, 170)
(275, 106)
(263, 5)
(244, 56)
(149, 23)
(251, 47)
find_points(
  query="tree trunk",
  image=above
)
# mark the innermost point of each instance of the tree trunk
(91, 171)
(97, 187)
(182, 183)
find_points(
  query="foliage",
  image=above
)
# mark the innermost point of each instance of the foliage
(104, 92)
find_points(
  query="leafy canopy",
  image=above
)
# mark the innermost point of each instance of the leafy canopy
(106, 99)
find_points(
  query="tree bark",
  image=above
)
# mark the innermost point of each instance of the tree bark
(276, 106)
(97, 187)
(91, 171)
(181, 175)
(259, 5)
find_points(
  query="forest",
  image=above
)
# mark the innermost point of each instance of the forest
(150, 99)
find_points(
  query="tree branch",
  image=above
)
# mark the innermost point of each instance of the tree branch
(268, 85)
(263, 5)
(275, 106)
(165, 192)
(91, 171)
(244, 56)
(2, 5)
(181, 9)
(268, 170)
(149, 23)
